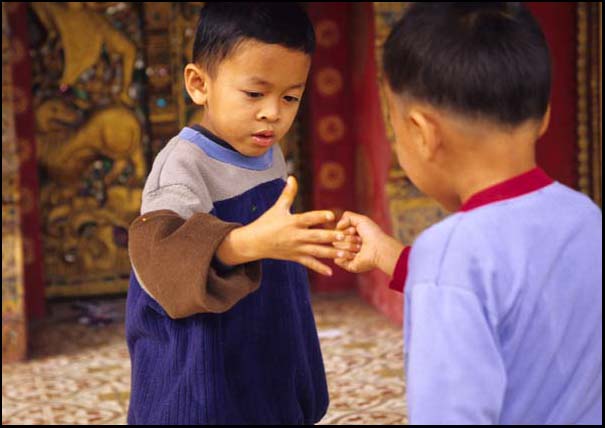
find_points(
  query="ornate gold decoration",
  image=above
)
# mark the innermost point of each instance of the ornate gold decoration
(84, 34)
(170, 35)
(182, 34)
(14, 333)
(81, 238)
(113, 132)
(90, 142)
(589, 99)
(331, 128)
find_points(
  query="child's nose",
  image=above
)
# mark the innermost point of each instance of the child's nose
(270, 111)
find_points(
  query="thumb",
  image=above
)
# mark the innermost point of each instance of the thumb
(286, 199)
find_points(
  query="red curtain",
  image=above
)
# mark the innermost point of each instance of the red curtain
(557, 150)
(28, 171)
(374, 153)
(330, 101)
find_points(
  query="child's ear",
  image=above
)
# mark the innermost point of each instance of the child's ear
(545, 122)
(196, 83)
(429, 140)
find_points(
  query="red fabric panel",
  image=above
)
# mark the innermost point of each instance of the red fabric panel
(557, 149)
(28, 170)
(374, 154)
(330, 100)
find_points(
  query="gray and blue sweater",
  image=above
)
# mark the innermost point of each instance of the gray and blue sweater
(212, 344)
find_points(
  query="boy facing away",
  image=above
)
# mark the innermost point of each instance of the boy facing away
(503, 299)
(219, 322)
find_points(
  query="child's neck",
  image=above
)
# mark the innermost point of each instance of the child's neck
(494, 158)
(480, 180)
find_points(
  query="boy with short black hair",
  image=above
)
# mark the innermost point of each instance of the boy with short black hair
(503, 299)
(213, 338)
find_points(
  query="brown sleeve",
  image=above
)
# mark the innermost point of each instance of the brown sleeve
(172, 259)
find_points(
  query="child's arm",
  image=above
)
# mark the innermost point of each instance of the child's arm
(174, 256)
(278, 234)
(172, 259)
(378, 250)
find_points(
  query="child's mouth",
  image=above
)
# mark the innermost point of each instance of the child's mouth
(264, 138)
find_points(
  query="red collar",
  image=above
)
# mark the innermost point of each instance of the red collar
(520, 185)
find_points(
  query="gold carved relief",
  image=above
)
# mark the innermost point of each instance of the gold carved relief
(589, 115)
(90, 140)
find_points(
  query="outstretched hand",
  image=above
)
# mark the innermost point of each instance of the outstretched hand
(279, 234)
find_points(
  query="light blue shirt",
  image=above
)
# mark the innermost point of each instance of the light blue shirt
(503, 314)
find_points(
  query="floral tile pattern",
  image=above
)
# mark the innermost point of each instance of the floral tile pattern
(80, 374)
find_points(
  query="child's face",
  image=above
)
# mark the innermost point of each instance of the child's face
(416, 150)
(253, 98)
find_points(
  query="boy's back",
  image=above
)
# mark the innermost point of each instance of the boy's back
(519, 282)
(503, 312)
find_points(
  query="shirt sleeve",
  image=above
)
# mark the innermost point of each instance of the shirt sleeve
(455, 374)
(173, 260)
(401, 271)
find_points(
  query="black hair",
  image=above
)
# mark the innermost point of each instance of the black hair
(483, 60)
(222, 26)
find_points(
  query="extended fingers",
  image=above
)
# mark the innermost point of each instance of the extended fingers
(313, 218)
(320, 236)
(350, 243)
(326, 252)
(315, 265)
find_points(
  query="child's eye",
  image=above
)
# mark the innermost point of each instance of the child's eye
(291, 99)
(253, 94)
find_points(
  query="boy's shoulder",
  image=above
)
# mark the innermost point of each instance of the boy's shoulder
(176, 182)
(490, 235)
(573, 200)
(185, 168)
(554, 202)
(177, 163)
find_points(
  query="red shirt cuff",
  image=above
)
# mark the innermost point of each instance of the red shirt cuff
(401, 271)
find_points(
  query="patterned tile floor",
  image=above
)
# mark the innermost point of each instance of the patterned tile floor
(80, 374)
